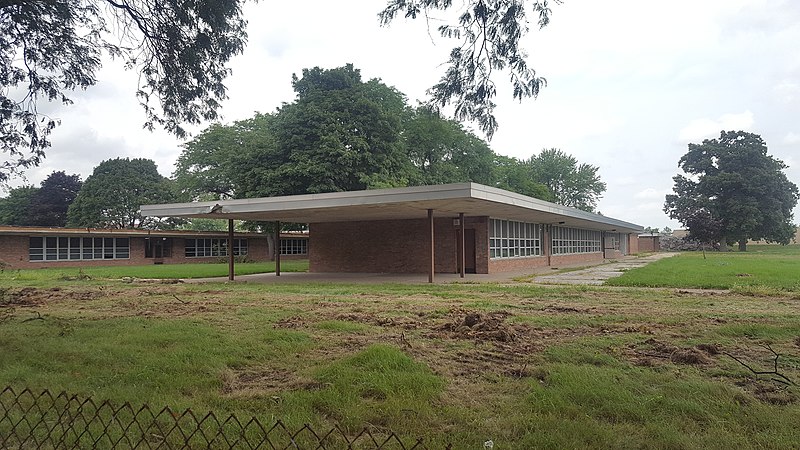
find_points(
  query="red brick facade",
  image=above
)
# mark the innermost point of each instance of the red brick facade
(14, 251)
(402, 246)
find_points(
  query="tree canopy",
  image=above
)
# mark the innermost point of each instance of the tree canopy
(50, 202)
(14, 207)
(734, 191)
(180, 51)
(44, 206)
(112, 194)
(49, 48)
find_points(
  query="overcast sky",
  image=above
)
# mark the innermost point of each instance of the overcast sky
(630, 84)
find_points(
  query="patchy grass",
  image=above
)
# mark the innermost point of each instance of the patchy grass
(153, 271)
(763, 269)
(523, 365)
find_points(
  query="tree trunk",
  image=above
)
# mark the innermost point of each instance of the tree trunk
(743, 245)
(723, 245)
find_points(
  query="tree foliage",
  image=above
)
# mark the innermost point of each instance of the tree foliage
(569, 183)
(489, 34)
(734, 191)
(441, 151)
(112, 195)
(50, 202)
(48, 48)
(343, 134)
(14, 207)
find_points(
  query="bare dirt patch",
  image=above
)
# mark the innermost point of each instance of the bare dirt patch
(653, 352)
(253, 381)
(32, 297)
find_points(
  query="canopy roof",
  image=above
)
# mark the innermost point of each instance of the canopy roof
(447, 200)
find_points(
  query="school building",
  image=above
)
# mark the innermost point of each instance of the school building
(36, 247)
(453, 228)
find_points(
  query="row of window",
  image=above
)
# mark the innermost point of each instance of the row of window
(510, 239)
(91, 248)
(294, 246)
(199, 248)
(575, 240)
(76, 248)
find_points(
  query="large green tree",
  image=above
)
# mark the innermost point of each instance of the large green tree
(15, 206)
(514, 175)
(340, 134)
(112, 194)
(50, 202)
(733, 191)
(441, 151)
(49, 48)
(570, 183)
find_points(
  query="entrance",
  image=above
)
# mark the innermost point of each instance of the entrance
(469, 250)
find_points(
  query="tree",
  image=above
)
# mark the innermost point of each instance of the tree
(570, 184)
(734, 191)
(219, 162)
(49, 204)
(514, 175)
(14, 208)
(442, 151)
(112, 195)
(340, 134)
(489, 33)
(48, 48)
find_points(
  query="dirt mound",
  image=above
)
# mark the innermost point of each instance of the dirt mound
(652, 352)
(481, 326)
(30, 297)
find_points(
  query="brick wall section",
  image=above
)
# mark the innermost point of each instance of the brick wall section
(392, 246)
(633, 244)
(648, 244)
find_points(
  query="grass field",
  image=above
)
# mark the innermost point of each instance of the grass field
(526, 366)
(153, 271)
(762, 267)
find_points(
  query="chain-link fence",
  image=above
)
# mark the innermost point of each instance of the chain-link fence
(31, 420)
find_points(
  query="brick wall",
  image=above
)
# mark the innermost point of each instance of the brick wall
(392, 246)
(14, 254)
(633, 244)
(648, 244)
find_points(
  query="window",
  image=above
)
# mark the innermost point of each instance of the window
(294, 246)
(77, 249)
(575, 240)
(202, 248)
(510, 239)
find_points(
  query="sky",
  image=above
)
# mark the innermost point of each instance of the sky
(629, 84)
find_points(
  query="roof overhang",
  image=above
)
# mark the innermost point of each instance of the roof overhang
(446, 200)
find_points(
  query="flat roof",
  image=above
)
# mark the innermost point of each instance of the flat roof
(7, 230)
(447, 200)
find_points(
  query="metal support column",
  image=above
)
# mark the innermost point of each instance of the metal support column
(230, 250)
(432, 254)
(277, 248)
(461, 244)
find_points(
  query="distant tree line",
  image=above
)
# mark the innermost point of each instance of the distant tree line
(339, 134)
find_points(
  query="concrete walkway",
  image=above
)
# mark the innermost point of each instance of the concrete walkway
(597, 275)
(594, 275)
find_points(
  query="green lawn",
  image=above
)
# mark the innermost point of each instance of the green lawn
(762, 267)
(543, 367)
(152, 271)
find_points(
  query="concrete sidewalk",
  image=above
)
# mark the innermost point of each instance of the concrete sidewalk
(597, 275)
(594, 275)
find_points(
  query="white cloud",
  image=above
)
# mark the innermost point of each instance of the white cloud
(791, 138)
(649, 194)
(700, 129)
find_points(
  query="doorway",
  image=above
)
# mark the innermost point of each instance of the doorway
(469, 251)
